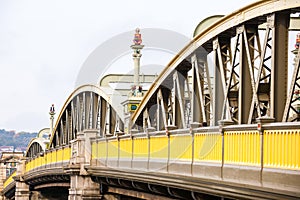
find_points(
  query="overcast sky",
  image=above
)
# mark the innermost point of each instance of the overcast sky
(43, 45)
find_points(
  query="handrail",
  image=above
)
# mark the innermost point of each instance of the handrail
(248, 145)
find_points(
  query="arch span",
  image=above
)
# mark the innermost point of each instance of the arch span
(249, 53)
(88, 107)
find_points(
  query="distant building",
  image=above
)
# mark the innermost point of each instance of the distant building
(8, 162)
(6, 149)
(20, 149)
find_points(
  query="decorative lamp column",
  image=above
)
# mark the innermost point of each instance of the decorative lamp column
(136, 93)
(51, 113)
(137, 47)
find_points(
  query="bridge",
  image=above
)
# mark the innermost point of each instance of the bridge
(230, 131)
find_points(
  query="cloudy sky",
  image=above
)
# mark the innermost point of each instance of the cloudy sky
(43, 45)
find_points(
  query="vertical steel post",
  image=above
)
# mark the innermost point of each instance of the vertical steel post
(279, 65)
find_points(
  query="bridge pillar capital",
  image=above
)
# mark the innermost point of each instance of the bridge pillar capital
(81, 147)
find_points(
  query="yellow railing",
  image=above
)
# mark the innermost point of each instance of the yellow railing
(101, 150)
(208, 147)
(140, 147)
(94, 151)
(158, 147)
(50, 157)
(66, 154)
(126, 148)
(279, 148)
(112, 148)
(282, 149)
(180, 147)
(242, 147)
(9, 180)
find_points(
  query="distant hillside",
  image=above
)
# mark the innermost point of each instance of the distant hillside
(11, 138)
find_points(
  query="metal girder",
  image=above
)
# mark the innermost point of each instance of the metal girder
(73, 120)
(249, 70)
(292, 106)
(202, 91)
(230, 106)
(87, 110)
(279, 65)
(222, 52)
(261, 96)
(294, 24)
(239, 92)
(266, 84)
(146, 119)
(270, 88)
(161, 118)
(171, 109)
(102, 112)
(170, 106)
(179, 102)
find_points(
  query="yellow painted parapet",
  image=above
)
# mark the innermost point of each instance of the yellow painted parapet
(66, 154)
(27, 166)
(181, 147)
(140, 147)
(101, 150)
(59, 155)
(125, 148)
(158, 147)
(9, 180)
(50, 157)
(279, 148)
(242, 147)
(112, 148)
(282, 149)
(94, 150)
(208, 147)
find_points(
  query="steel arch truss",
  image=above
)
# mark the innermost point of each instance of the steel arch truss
(184, 97)
(34, 149)
(170, 107)
(88, 109)
(38, 145)
(249, 68)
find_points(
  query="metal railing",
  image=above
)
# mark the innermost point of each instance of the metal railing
(274, 145)
(51, 158)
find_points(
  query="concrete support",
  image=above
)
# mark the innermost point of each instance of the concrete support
(2, 178)
(22, 189)
(81, 185)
